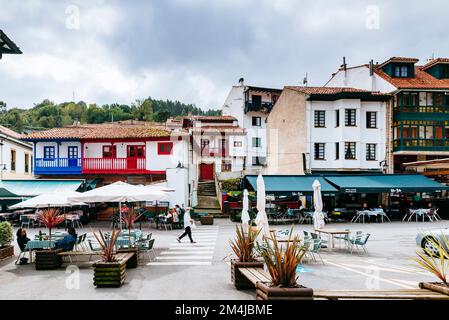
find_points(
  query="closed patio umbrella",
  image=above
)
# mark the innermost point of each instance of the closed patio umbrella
(318, 218)
(262, 219)
(245, 214)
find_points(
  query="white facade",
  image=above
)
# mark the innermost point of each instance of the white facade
(359, 77)
(16, 158)
(234, 105)
(359, 134)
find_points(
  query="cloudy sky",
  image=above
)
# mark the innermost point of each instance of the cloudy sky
(109, 51)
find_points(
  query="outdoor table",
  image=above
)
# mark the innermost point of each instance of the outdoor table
(38, 244)
(420, 212)
(363, 213)
(331, 233)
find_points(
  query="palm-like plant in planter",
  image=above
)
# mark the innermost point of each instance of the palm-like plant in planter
(282, 264)
(49, 259)
(436, 262)
(51, 218)
(108, 272)
(243, 247)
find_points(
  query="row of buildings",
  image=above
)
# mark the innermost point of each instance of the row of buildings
(368, 118)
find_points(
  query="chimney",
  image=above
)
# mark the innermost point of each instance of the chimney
(241, 82)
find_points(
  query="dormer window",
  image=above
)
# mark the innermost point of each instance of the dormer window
(445, 71)
(401, 71)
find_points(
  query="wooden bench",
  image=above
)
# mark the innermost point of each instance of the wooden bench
(412, 294)
(71, 254)
(255, 275)
(129, 258)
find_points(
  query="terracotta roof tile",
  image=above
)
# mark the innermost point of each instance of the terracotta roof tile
(214, 118)
(102, 131)
(324, 90)
(211, 129)
(435, 62)
(9, 132)
(399, 59)
(422, 80)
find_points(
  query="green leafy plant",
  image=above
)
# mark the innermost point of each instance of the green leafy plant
(230, 184)
(6, 235)
(51, 218)
(282, 263)
(438, 265)
(244, 245)
(129, 218)
(107, 245)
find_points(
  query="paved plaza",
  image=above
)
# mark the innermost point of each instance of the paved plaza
(202, 270)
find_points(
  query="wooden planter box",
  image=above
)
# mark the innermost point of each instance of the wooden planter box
(265, 292)
(207, 220)
(133, 262)
(435, 286)
(48, 259)
(6, 252)
(109, 274)
(238, 279)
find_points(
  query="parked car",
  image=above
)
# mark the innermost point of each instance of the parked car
(424, 239)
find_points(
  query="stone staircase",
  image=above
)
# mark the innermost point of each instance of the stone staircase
(207, 199)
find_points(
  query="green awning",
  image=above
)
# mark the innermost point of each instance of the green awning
(31, 188)
(389, 183)
(301, 185)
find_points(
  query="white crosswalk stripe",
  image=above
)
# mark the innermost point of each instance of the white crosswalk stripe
(185, 253)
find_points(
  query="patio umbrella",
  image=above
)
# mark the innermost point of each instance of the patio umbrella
(261, 219)
(55, 199)
(245, 214)
(158, 187)
(120, 192)
(318, 218)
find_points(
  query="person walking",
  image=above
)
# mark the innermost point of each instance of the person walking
(188, 224)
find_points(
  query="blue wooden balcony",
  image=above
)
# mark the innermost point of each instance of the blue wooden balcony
(57, 166)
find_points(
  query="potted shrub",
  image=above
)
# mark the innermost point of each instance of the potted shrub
(108, 272)
(6, 237)
(243, 247)
(437, 263)
(129, 218)
(49, 259)
(281, 264)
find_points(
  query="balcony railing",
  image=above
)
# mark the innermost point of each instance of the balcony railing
(114, 165)
(57, 166)
(264, 106)
(421, 144)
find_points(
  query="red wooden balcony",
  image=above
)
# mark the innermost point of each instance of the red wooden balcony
(132, 165)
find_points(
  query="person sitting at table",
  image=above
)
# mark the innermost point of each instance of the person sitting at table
(22, 238)
(68, 242)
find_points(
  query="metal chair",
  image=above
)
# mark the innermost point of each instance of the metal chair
(147, 247)
(360, 240)
(314, 249)
(345, 237)
(26, 221)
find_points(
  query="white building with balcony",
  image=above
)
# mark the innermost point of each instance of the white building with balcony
(251, 107)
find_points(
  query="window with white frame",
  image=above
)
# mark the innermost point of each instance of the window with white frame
(350, 117)
(319, 151)
(370, 151)
(371, 120)
(320, 118)
(350, 150)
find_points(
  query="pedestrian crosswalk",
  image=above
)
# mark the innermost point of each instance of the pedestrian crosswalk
(185, 253)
